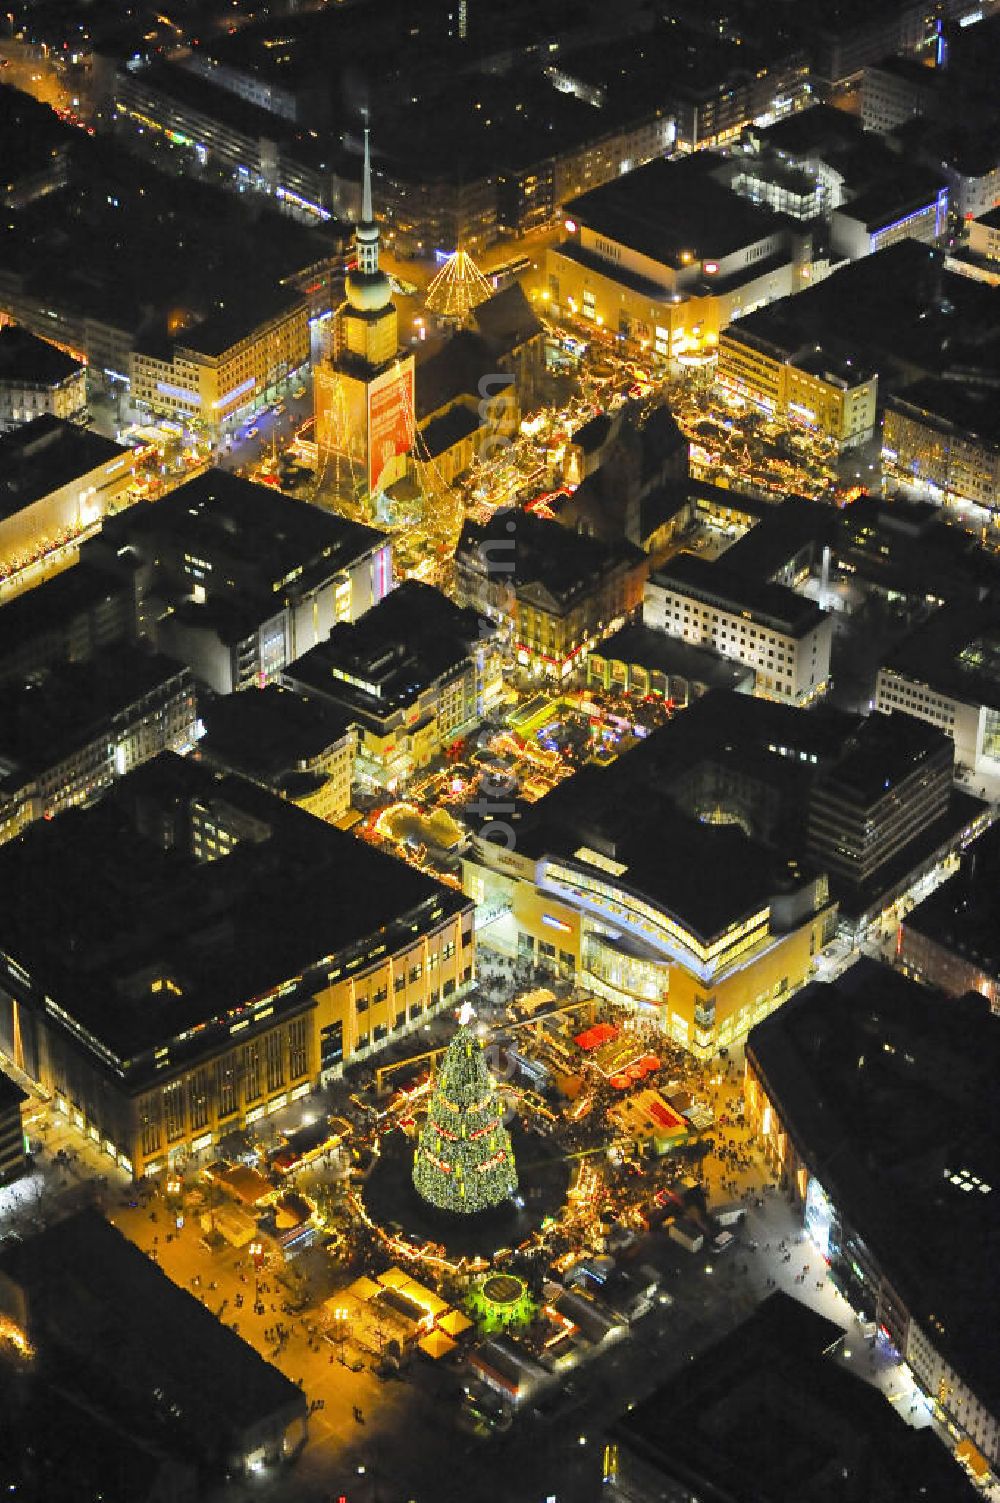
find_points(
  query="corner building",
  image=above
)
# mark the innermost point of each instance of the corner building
(194, 952)
(874, 1100)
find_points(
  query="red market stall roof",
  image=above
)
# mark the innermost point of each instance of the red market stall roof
(593, 1038)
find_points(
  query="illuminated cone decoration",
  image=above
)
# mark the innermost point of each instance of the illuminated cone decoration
(464, 1161)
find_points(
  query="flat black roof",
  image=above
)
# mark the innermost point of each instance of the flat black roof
(898, 311)
(649, 648)
(814, 132)
(25, 357)
(906, 192)
(669, 210)
(97, 910)
(884, 1086)
(241, 315)
(714, 584)
(963, 915)
(266, 531)
(46, 454)
(94, 1296)
(883, 752)
(956, 651)
(768, 1413)
(781, 534)
(966, 405)
(269, 732)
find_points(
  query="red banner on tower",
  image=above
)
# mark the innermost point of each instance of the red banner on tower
(390, 421)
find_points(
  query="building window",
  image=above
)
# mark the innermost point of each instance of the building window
(173, 1111)
(298, 1057)
(199, 1098)
(225, 1086)
(251, 1070)
(274, 1064)
(332, 1045)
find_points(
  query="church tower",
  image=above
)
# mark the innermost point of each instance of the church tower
(364, 393)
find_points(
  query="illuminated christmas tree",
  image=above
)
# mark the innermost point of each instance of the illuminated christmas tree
(464, 1161)
(458, 288)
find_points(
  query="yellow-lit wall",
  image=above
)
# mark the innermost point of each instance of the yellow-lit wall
(667, 328)
(843, 414)
(65, 511)
(212, 388)
(744, 992)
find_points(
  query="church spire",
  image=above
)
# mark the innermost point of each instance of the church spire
(367, 287)
(367, 217)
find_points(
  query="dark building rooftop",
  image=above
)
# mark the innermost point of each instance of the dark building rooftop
(816, 132)
(506, 321)
(882, 753)
(904, 193)
(768, 1415)
(889, 1092)
(381, 663)
(964, 405)
(956, 651)
(238, 319)
(62, 708)
(267, 733)
(46, 454)
(674, 212)
(963, 915)
(25, 357)
(716, 584)
(129, 1339)
(106, 901)
(544, 557)
(898, 311)
(263, 535)
(794, 529)
(454, 371)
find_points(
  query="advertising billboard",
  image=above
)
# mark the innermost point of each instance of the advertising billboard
(390, 421)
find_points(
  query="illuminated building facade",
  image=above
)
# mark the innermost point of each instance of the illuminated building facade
(204, 126)
(816, 388)
(886, 215)
(948, 674)
(68, 731)
(364, 395)
(673, 882)
(945, 436)
(37, 378)
(891, 1160)
(58, 481)
(13, 1138)
(556, 592)
(224, 366)
(166, 994)
(652, 942)
(784, 638)
(667, 257)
